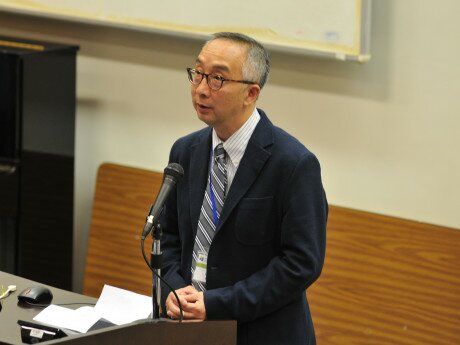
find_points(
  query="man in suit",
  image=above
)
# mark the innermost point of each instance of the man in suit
(244, 233)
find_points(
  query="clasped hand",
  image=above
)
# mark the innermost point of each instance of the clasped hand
(192, 302)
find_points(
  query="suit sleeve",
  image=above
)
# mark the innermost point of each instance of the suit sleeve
(300, 260)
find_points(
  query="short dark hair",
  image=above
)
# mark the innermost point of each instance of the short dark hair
(257, 65)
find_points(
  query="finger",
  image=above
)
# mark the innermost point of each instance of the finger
(197, 308)
(189, 315)
(173, 315)
(194, 313)
(171, 310)
(169, 298)
(186, 316)
(173, 300)
(173, 306)
(187, 290)
(191, 298)
(174, 311)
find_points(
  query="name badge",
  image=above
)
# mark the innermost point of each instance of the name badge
(199, 275)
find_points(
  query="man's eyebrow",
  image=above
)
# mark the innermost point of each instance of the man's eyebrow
(221, 68)
(215, 67)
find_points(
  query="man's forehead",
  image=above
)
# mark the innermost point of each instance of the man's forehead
(214, 64)
(221, 54)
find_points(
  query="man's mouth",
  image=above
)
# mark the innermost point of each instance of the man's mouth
(202, 107)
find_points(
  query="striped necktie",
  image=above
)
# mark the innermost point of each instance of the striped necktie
(211, 208)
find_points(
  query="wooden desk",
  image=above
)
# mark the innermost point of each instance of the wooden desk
(13, 311)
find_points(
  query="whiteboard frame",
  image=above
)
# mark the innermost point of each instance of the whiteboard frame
(362, 56)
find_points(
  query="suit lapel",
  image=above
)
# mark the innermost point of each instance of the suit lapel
(199, 161)
(254, 159)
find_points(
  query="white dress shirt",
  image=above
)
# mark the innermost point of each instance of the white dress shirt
(235, 146)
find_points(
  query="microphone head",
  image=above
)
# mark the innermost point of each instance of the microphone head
(174, 170)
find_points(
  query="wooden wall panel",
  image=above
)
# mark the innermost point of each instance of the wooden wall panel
(385, 280)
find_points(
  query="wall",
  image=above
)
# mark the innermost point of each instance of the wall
(386, 132)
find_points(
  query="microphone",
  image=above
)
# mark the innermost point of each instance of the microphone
(172, 174)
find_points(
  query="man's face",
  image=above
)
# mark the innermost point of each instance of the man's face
(222, 109)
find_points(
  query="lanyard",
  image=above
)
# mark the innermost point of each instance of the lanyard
(211, 192)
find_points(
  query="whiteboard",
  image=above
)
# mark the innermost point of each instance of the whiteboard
(335, 28)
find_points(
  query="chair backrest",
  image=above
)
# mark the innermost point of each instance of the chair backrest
(122, 199)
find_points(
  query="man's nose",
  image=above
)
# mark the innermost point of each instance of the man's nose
(203, 86)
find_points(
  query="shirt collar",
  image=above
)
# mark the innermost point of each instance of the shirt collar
(235, 146)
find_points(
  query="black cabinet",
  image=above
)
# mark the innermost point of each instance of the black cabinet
(37, 133)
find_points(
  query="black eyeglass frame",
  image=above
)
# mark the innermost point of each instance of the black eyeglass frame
(217, 77)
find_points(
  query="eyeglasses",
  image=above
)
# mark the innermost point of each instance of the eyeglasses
(214, 81)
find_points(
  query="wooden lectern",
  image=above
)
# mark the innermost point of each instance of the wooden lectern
(159, 333)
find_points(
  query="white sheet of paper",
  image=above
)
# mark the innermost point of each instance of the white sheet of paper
(116, 305)
(121, 306)
(79, 320)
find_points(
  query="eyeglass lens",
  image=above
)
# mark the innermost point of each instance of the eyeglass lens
(214, 82)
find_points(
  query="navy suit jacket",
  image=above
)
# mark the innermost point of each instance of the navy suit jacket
(269, 245)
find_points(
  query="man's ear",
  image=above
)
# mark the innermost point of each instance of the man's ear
(253, 92)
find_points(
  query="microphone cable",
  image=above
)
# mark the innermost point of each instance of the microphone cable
(181, 317)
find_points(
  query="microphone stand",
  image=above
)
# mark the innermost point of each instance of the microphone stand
(156, 257)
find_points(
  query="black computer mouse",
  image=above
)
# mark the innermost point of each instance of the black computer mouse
(37, 294)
